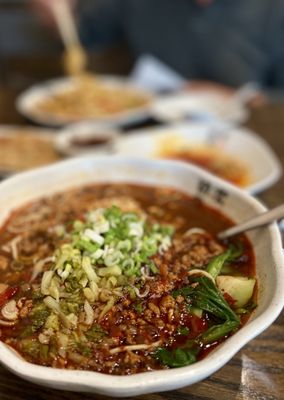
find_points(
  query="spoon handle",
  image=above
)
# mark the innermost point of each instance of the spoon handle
(260, 220)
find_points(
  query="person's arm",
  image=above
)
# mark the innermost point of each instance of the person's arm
(44, 10)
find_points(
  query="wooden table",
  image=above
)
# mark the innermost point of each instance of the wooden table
(257, 371)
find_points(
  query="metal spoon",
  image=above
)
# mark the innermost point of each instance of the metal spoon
(262, 219)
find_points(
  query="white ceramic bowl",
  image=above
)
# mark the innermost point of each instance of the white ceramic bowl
(240, 143)
(231, 201)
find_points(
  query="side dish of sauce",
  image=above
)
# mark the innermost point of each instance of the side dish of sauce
(213, 160)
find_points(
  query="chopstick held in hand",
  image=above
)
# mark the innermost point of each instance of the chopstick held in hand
(75, 58)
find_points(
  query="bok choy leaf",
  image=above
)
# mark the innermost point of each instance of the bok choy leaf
(177, 357)
(216, 264)
(207, 297)
(218, 331)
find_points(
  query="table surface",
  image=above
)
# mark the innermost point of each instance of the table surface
(257, 371)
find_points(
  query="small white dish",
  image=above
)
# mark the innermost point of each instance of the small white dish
(27, 102)
(85, 138)
(242, 144)
(235, 203)
(198, 105)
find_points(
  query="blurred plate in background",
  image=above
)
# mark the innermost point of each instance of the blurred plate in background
(24, 148)
(199, 105)
(67, 100)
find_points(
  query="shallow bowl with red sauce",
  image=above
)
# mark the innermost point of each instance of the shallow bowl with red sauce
(214, 193)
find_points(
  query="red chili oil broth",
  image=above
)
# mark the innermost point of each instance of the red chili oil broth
(165, 205)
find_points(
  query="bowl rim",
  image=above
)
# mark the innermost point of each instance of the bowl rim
(153, 381)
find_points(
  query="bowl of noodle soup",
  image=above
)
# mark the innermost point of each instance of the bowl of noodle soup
(76, 304)
(66, 100)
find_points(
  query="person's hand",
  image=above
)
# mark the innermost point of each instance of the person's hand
(44, 10)
(197, 86)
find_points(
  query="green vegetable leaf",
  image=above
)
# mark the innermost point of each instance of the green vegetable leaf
(218, 331)
(39, 315)
(30, 347)
(84, 349)
(44, 351)
(245, 310)
(85, 245)
(207, 297)
(152, 267)
(182, 330)
(95, 334)
(216, 264)
(178, 357)
(138, 307)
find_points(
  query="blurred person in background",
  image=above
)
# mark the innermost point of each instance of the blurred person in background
(20, 31)
(215, 44)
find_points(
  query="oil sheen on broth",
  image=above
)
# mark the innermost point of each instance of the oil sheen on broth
(120, 279)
